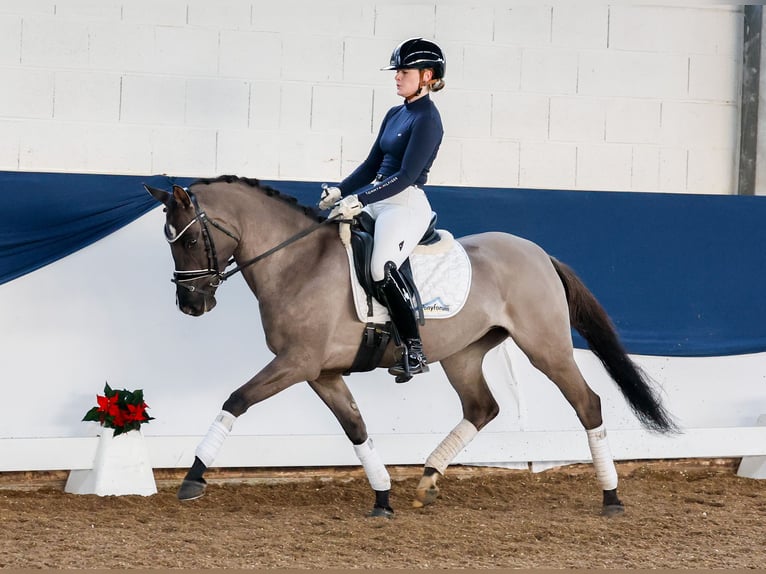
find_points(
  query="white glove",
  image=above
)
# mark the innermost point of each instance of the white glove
(347, 208)
(329, 197)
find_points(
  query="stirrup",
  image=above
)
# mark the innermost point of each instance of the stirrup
(413, 362)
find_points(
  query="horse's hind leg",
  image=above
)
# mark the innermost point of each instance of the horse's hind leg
(558, 364)
(463, 369)
(336, 395)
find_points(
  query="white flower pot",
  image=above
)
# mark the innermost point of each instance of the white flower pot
(121, 466)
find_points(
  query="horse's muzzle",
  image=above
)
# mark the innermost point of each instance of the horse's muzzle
(194, 304)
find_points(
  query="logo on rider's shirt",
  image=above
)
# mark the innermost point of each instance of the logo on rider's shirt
(401, 245)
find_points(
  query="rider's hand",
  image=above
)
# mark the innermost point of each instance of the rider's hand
(347, 208)
(329, 197)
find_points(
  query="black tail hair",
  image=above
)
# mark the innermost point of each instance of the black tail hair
(590, 319)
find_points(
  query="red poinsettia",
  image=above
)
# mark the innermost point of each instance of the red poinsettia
(121, 410)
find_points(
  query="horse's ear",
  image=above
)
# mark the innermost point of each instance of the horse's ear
(159, 194)
(181, 195)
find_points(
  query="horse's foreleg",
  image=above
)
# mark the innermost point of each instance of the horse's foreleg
(193, 485)
(378, 476)
(275, 377)
(336, 395)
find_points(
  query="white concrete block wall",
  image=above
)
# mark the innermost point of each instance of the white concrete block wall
(54, 43)
(265, 105)
(523, 25)
(244, 151)
(10, 39)
(354, 115)
(123, 47)
(154, 12)
(547, 164)
(27, 93)
(567, 95)
(256, 56)
(82, 96)
(632, 120)
(217, 103)
(152, 100)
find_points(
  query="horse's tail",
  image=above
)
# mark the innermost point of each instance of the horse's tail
(590, 319)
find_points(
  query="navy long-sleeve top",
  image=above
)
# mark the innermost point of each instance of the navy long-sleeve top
(403, 152)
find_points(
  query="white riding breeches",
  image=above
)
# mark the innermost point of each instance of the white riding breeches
(400, 222)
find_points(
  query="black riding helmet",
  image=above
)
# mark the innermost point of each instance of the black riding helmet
(419, 54)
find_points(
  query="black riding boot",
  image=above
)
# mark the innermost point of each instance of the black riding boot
(392, 294)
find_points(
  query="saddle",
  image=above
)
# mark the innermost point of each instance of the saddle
(362, 234)
(376, 336)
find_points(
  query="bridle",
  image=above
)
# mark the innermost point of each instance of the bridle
(184, 278)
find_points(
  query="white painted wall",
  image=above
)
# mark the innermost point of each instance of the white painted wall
(561, 95)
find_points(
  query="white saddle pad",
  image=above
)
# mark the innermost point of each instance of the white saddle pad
(442, 273)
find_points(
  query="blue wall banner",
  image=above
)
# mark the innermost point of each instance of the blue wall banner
(47, 216)
(679, 274)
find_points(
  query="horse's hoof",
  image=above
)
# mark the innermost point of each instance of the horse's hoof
(191, 490)
(425, 496)
(378, 512)
(427, 492)
(611, 510)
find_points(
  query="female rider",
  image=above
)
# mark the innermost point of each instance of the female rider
(389, 186)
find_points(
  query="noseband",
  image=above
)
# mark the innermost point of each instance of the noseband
(183, 278)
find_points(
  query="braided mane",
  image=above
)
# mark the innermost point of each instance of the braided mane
(308, 211)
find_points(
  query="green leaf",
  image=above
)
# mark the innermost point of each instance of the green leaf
(92, 415)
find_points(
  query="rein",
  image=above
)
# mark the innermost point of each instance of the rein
(180, 278)
(301, 234)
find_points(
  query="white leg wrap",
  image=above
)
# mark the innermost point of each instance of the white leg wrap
(451, 446)
(373, 466)
(210, 446)
(606, 473)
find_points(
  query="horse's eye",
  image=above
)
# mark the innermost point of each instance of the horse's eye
(191, 242)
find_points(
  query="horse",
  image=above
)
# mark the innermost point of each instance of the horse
(517, 290)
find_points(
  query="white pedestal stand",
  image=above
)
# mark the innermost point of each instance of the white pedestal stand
(754, 466)
(121, 466)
